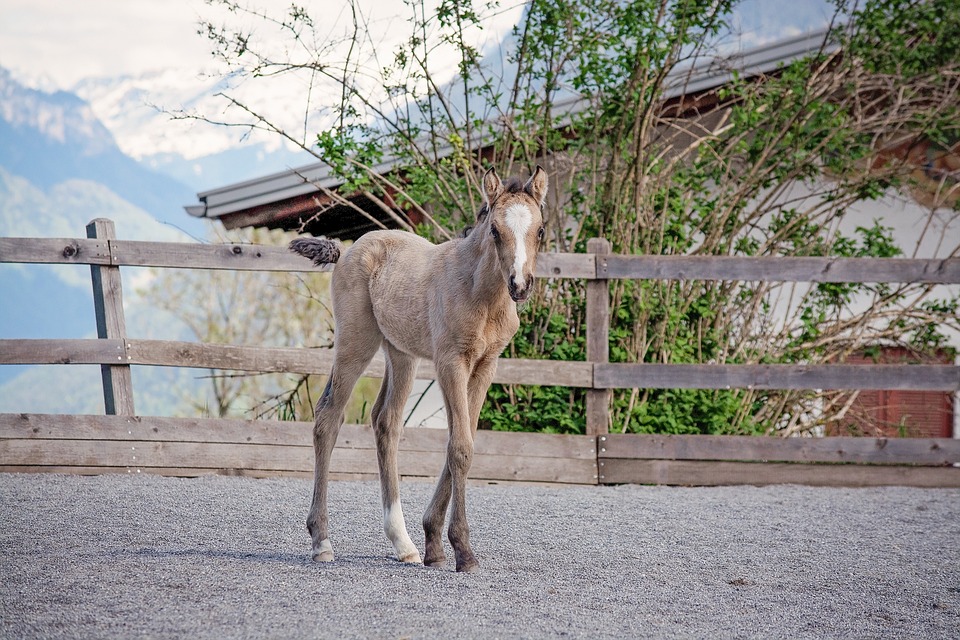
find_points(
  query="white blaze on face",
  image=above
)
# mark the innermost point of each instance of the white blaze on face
(518, 220)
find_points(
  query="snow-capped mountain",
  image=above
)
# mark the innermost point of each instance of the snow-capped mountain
(158, 117)
(59, 116)
(48, 138)
(139, 111)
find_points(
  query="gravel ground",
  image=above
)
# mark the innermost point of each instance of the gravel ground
(144, 556)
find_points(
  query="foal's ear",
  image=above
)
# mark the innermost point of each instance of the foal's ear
(536, 186)
(492, 186)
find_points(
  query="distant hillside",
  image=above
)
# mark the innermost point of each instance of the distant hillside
(50, 138)
(59, 169)
(55, 300)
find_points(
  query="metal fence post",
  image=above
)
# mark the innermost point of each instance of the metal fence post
(108, 305)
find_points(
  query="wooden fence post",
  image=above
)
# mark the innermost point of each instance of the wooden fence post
(108, 305)
(598, 336)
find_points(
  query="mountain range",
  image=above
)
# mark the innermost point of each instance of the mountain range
(145, 112)
(61, 167)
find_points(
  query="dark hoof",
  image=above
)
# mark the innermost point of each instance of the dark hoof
(468, 567)
(467, 563)
(435, 562)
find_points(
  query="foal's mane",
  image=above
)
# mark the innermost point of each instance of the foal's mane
(510, 185)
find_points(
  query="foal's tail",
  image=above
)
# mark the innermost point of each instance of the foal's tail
(320, 250)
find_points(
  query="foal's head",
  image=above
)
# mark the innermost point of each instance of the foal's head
(515, 226)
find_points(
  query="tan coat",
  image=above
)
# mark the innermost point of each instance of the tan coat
(454, 303)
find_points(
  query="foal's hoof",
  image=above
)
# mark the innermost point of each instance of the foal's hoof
(467, 563)
(435, 562)
(469, 566)
(323, 552)
(411, 558)
(323, 556)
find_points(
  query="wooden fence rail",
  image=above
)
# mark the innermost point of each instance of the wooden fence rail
(586, 266)
(124, 441)
(591, 375)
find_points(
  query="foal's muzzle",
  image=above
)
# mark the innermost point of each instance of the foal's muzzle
(518, 294)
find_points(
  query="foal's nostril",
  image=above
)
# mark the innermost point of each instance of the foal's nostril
(519, 292)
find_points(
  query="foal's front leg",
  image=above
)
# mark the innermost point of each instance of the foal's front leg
(454, 380)
(433, 519)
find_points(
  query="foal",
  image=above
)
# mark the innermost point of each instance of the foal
(453, 303)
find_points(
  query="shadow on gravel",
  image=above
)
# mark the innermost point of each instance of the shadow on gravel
(261, 557)
(266, 557)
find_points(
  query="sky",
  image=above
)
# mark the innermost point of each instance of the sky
(59, 44)
(66, 41)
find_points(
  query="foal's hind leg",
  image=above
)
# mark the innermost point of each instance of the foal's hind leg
(358, 339)
(387, 415)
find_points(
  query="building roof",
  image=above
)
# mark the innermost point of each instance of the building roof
(287, 198)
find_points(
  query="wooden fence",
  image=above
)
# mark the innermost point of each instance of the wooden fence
(123, 441)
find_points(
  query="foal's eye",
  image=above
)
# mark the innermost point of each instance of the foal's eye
(495, 233)
(540, 234)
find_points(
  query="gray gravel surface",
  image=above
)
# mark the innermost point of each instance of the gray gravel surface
(144, 556)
